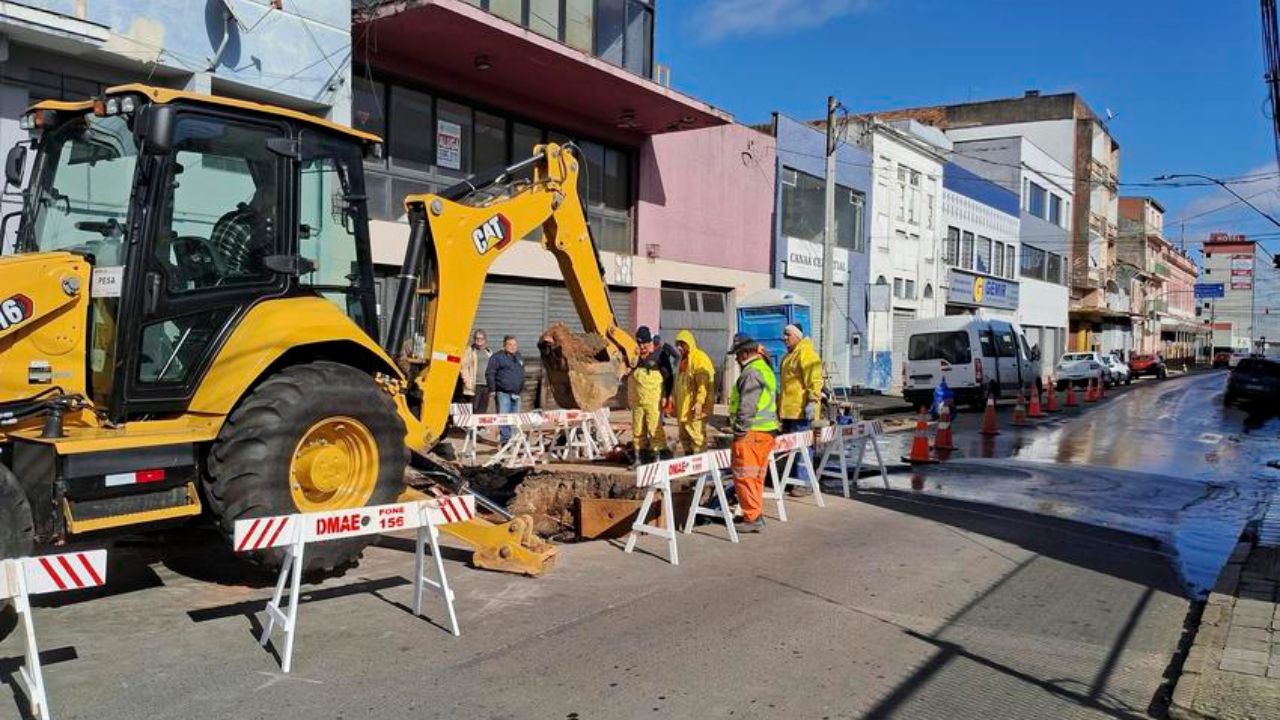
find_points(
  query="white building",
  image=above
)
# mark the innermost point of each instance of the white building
(1233, 262)
(1042, 185)
(980, 245)
(907, 159)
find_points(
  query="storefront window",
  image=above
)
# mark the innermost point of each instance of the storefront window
(523, 139)
(368, 103)
(491, 141)
(409, 144)
(453, 139)
(804, 210)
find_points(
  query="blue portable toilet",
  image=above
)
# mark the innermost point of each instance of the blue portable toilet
(764, 314)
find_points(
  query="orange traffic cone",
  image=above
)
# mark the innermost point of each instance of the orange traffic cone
(942, 440)
(1034, 410)
(1071, 394)
(1102, 389)
(1053, 397)
(920, 443)
(1020, 411)
(989, 418)
(1090, 394)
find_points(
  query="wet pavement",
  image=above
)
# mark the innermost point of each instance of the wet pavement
(1164, 459)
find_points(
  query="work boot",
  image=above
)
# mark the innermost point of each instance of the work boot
(750, 526)
(665, 454)
(799, 491)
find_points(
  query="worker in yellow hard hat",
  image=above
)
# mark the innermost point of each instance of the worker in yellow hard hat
(644, 395)
(694, 393)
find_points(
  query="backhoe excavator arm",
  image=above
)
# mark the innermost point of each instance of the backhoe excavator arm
(455, 237)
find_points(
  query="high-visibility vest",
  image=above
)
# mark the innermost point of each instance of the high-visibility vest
(765, 418)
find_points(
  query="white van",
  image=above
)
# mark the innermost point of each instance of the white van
(977, 356)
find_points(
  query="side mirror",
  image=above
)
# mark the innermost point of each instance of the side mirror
(155, 128)
(1035, 352)
(14, 164)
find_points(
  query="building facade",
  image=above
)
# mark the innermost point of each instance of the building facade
(1230, 261)
(458, 87)
(1165, 277)
(798, 253)
(1044, 229)
(980, 245)
(904, 254)
(1065, 128)
(297, 56)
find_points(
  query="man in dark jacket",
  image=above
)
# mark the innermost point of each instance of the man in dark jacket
(505, 376)
(669, 366)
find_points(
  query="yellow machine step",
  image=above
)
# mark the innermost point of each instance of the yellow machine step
(100, 517)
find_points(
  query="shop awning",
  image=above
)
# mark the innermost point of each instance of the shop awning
(457, 48)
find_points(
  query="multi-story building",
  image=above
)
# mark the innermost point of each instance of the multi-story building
(1044, 187)
(1230, 261)
(1164, 276)
(296, 55)
(798, 254)
(907, 158)
(980, 247)
(1068, 130)
(456, 87)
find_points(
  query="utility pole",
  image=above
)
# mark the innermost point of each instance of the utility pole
(829, 240)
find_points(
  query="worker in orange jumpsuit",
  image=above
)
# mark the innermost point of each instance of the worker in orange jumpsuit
(753, 417)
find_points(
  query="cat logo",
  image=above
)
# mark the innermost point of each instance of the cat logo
(495, 233)
(15, 310)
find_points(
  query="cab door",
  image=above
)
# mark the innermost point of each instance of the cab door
(223, 205)
(1009, 355)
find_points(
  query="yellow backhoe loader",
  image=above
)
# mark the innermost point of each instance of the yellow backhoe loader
(188, 321)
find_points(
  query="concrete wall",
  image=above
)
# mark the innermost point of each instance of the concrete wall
(1056, 138)
(300, 56)
(706, 197)
(803, 147)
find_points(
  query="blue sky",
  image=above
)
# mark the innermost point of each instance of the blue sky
(1184, 77)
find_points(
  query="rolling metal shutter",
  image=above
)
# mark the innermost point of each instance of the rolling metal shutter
(812, 291)
(560, 307)
(900, 320)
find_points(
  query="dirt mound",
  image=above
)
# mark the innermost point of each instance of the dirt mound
(578, 368)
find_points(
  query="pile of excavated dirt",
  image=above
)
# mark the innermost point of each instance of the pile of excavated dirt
(578, 368)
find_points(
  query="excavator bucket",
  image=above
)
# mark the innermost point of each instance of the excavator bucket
(580, 369)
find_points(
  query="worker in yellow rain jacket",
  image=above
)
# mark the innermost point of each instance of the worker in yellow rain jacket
(800, 376)
(644, 394)
(694, 392)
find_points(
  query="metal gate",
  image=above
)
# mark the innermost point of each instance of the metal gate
(900, 334)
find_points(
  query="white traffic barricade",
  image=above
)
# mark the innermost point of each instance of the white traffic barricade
(460, 414)
(294, 532)
(567, 435)
(518, 451)
(839, 439)
(788, 448)
(657, 477)
(602, 429)
(23, 577)
(720, 463)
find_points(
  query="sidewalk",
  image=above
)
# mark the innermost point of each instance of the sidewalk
(1233, 667)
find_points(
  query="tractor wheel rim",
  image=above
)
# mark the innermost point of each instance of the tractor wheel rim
(334, 466)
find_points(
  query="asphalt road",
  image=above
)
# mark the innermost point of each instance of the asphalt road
(984, 588)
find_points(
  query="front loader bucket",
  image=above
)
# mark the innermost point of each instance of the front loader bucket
(510, 547)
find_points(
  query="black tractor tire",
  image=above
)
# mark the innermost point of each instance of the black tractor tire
(17, 534)
(17, 531)
(247, 470)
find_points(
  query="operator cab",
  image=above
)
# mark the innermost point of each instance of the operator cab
(191, 209)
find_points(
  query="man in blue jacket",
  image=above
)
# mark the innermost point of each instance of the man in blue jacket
(505, 376)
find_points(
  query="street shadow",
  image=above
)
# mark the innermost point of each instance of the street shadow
(1113, 553)
(9, 675)
(407, 546)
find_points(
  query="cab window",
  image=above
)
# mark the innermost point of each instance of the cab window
(1006, 346)
(950, 346)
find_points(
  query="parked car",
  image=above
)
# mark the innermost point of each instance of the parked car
(1117, 371)
(1079, 368)
(1222, 359)
(976, 355)
(1152, 365)
(1253, 379)
(1237, 356)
